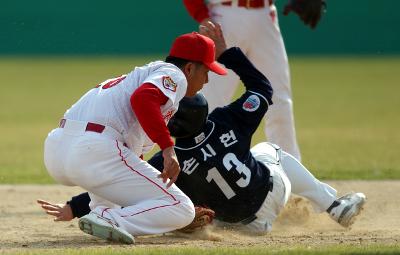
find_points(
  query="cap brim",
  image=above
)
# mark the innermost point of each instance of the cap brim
(217, 68)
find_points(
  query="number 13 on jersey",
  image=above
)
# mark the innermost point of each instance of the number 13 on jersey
(230, 161)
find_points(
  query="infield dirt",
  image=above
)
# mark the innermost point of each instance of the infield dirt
(23, 224)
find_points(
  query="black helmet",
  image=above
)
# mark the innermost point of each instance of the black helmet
(190, 117)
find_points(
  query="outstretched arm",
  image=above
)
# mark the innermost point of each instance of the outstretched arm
(61, 212)
(78, 206)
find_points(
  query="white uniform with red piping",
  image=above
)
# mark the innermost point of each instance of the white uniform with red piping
(98, 145)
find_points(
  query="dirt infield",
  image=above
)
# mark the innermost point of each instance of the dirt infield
(24, 225)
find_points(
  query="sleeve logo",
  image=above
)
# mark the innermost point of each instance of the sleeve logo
(251, 104)
(169, 84)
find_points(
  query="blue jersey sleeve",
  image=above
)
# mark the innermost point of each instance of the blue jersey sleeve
(250, 108)
(252, 79)
(80, 205)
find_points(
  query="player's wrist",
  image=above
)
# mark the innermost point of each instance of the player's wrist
(166, 143)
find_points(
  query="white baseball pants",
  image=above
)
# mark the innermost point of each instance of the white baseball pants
(289, 175)
(115, 178)
(257, 33)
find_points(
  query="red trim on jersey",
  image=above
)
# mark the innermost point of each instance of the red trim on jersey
(197, 9)
(157, 207)
(130, 167)
(145, 103)
(103, 211)
(147, 178)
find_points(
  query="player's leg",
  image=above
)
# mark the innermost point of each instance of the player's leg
(111, 171)
(57, 152)
(54, 151)
(322, 196)
(268, 54)
(96, 201)
(304, 184)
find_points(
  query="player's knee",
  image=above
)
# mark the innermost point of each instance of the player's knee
(187, 211)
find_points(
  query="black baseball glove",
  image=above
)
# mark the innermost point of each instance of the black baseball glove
(309, 11)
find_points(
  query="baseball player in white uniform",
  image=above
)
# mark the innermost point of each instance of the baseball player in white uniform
(253, 26)
(100, 140)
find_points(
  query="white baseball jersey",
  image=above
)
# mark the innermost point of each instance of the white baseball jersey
(109, 102)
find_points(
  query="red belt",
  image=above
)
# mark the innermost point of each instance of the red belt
(92, 127)
(247, 3)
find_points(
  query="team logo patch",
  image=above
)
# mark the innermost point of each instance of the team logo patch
(252, 103)
(169, 84)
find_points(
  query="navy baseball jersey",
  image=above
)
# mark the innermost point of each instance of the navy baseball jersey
(218, 170)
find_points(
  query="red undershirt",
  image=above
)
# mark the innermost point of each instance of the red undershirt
(197, 9)
(145, 103)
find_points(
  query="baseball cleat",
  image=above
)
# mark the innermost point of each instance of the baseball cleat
(96, 225)
(350, 206)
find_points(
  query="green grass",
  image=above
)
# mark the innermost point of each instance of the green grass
(346, 109)
(347, 113)
(347, 116)
(355, 250)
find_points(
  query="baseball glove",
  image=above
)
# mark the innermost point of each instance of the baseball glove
(309, 11)
(203, 217)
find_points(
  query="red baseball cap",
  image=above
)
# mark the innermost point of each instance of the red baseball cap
(197, 47)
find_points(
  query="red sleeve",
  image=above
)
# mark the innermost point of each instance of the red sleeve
(145, 103)
(197, 9)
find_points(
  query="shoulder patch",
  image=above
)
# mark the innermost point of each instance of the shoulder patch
(169, 84)
(252, 103)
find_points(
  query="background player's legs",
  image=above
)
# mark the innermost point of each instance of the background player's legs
(304, 184)
(268, 54)
(220, 89)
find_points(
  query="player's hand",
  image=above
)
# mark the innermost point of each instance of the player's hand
(214, 31)
(171, 166)
(205, 21)
(61, 212)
